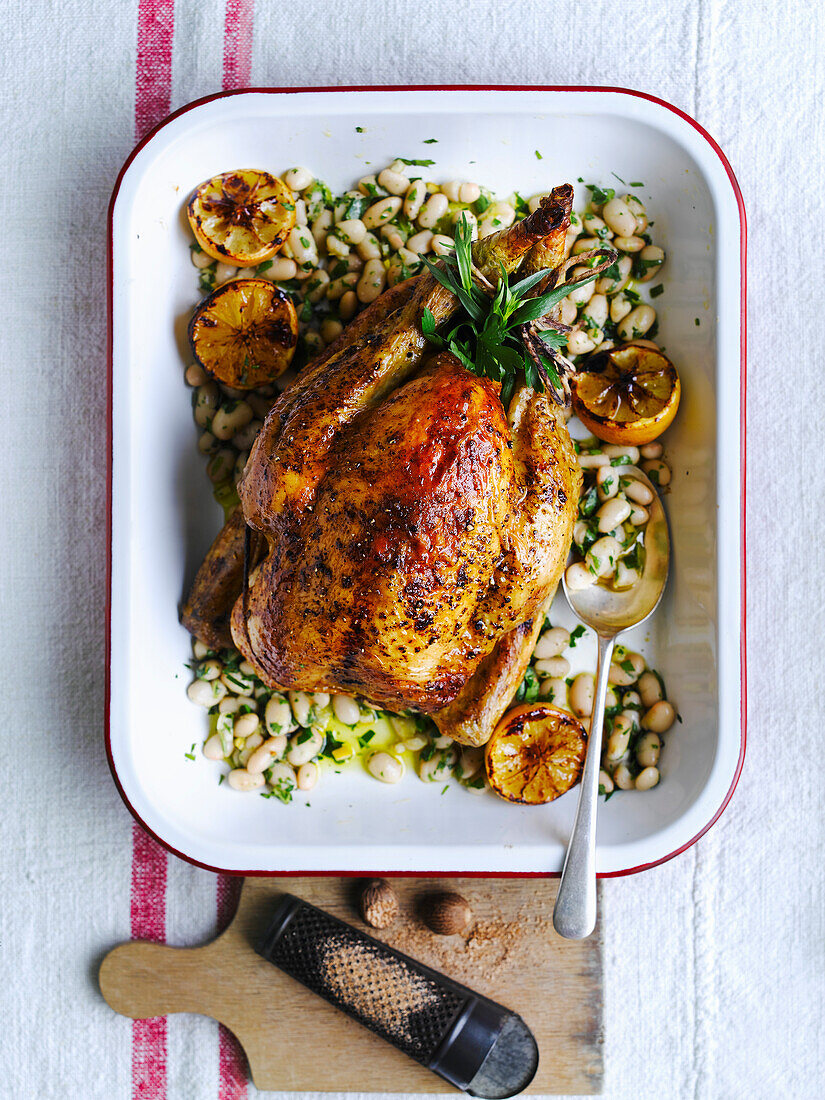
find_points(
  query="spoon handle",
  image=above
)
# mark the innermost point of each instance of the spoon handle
(574, 915)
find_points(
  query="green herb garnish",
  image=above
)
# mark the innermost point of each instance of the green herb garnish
(416, 163)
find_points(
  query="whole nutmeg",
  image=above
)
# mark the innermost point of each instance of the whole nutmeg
(379, 903)
(446, 913)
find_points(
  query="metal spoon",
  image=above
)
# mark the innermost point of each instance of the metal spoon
(608, 613)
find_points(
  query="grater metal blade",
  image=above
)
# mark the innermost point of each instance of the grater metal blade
(472, 1042)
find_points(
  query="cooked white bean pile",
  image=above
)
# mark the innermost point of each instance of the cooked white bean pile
(341, 255)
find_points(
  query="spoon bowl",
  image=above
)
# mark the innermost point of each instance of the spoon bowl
(608, 613)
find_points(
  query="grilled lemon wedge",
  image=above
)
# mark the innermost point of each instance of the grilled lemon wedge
(242, 218)
(627, 395)
(244, 333)
(536, 753)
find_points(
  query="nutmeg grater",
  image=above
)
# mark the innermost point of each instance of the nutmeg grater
(474, 1043)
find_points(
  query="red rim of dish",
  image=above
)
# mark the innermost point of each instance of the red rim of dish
(743, 421)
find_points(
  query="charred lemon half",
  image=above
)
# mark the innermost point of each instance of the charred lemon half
(242, 218)
(627, 395)
(244, 333)
(536, 753)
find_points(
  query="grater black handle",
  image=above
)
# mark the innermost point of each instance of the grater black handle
(439, 1022)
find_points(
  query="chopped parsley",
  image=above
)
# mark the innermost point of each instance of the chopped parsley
(655, 291)
(417, 163)
(538, 155)
(579, 632)
(430, 141)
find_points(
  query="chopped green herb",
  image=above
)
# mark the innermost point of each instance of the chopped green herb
(538, 155)
(430, 141)
(445, 788)
(579, 632)
(619, 178)
(636, 183)
(359, 129)
(598, 196)
(696, 321)
(655, 291)
(191, 754)
(417, 163)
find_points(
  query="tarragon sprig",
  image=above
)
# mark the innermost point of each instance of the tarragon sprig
(496, 334)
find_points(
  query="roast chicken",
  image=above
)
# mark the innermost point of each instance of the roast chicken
(404, 531)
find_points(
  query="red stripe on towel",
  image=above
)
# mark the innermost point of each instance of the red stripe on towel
(237, 44)
(153, 91)
(231, 1059)
(148, 921)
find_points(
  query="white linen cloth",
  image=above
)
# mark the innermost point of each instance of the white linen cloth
(713, 962)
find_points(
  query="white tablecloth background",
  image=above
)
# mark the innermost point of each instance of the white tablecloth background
(713, 962)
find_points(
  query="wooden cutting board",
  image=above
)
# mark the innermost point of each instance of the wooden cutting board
(295, 1041)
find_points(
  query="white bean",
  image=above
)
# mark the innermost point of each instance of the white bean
(414, 198)
(602, 556)
(610, 286)
(206, 443)
(594, 461)
(638, 492)
(298, 179)
(578, 576)
(554, 667)
(628, 244)
(300, 212)
(244, 439)
(595, 227)
(555, 692)
(195, 375)
(658, 472)
(307, 776)
(567, 312)
(612, 514)
(619, 217)
(281, 777)
(320, 227)
(618, 740)
(622, 450)
(470, 762)
(650, 689)
(304, 746)
(372, 281)
(585, 244)
(338, 287)
(651, 450)
(623, 778)
(230, 704)
(394, 182)
(278, 716)
(597, 309)
(212, 748)
(300, 703)
(552, 643)
(201, 650)
(637, 322)
(382, 212)
(337, 247)
(581, 694)
(647, 778)
(421, 242)
(206, 693)
(352, 230)
(432, 211)
(660, 717)
(263, 756)
(385, 767)
(638, 210)
(224, 272)
(469, 192)
(620, 306)
(246, 724)
(639, 515)
(209, 670)
(369, 248)
(348, 306)
(442, 245)
(451, 189)
(652, 257)
(242, 780)
(303, 246)
(206, 401)
(534, 202)
(607, 482)
(200, 259)
(648, 748)
(628, 668)
(605, 782)
(579, 343)
(438, 767)
(581, 295)
(346, 709)
(632, 699)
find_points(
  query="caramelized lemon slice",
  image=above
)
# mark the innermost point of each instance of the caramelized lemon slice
(627, 395)
(244, 333)
(536, 753)
(242, 218)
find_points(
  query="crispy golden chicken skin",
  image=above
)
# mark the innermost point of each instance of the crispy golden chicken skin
(412, 522)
